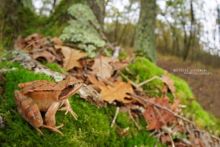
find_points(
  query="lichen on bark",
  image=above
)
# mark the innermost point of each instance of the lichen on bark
(83, 29)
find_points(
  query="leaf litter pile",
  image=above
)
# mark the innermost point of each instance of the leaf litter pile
(103, 84)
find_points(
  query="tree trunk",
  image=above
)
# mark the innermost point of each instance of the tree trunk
(189, 40)
(98, 8)
(145, 36)
(14, 19)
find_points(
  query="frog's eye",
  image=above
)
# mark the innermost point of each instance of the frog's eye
(66, 90)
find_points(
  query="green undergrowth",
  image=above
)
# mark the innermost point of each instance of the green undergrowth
(91, 129)
(142, 69)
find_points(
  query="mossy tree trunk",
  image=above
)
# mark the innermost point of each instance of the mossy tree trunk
(15, 17)
(145, 36)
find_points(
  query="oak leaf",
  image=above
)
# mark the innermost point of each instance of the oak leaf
(158, 117)
(71, 57)
(117, 91)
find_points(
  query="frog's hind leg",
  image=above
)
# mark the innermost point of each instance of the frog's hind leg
(67, 107)
(54, 129)
(50, 118)
(38, 130)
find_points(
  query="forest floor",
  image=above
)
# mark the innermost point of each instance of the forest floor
(203, 79)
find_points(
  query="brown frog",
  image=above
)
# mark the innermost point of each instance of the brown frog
(43, 96)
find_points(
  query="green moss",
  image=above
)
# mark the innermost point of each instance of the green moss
(55, 67)
(142, 69)
(123, 55)
(91, 129)
(182, 88)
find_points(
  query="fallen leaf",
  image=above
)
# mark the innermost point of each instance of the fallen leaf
(102, 67)
(158, 117)
(92, 78)
(151, 118)
(118, 91)
(34, 41)
(169, 83)
(117, 65)
(57, 41)
(19, 43)
(165, 139)
(71, 57)
(34, 36)
(43, 54)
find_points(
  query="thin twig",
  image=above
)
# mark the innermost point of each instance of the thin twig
(142, 100)
(136, 124)
(147, 81)
(115, 117)
(171, 139)
(132, 83)
(162, 107)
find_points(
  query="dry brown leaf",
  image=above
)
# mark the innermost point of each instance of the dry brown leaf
(169, 82)
(165, 139)
(95, 81)
(34, 36)
(118, 91)
(102, 67)
(19, 43)
(43, 54)
(34, 41)
(151, 118)
(118, 65)
(71, 57)
(157, 117)
(57, 41)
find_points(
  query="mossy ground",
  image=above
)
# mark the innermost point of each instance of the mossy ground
(142, 69)
(91, 129)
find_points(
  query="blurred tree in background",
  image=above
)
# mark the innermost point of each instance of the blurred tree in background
(145, 33)
(15, 17)
(98, 8)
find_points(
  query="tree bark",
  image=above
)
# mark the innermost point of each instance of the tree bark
(144, 42)
(98, 8)
(189, 40)
(14, 19)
